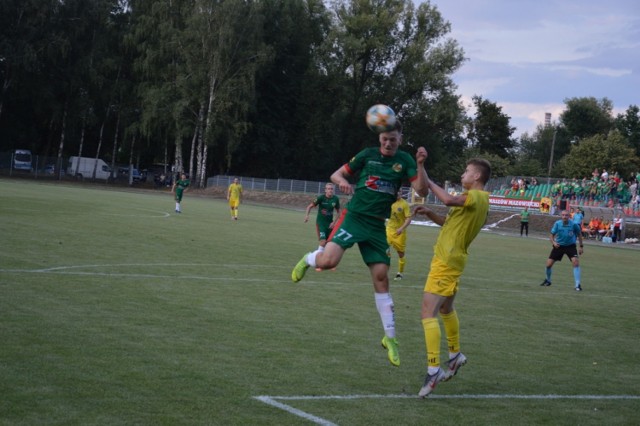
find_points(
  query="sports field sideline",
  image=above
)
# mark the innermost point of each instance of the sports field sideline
(116, 310)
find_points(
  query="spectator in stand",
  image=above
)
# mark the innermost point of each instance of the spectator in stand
(534, 182)
(604, 175)
(566, 189)
(618, 225)
(624, 195)
(578, 190)
(603, 191)
(635, 203)
(586, 231)
(613, 190)
(605, 225)
(592, 189)
(555, 189)
(616, 178)
(594, 227)
(522, 186)
(514, 186)
(633, 189)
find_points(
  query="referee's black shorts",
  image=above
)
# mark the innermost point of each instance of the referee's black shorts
(557, 252)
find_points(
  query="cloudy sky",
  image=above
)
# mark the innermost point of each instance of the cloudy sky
(528, 56)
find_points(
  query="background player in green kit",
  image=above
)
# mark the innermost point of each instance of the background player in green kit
(524, 220)
(179, 187)
(326, 203)
(381, 171)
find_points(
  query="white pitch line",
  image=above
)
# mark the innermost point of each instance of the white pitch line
(68, 270)
(488, 227)
(273, 400)
(460, 396)
(289, 409)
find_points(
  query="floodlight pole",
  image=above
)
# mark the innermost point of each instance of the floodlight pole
(553, 146)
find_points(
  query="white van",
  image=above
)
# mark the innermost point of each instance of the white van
(83, 167)
(22, 160)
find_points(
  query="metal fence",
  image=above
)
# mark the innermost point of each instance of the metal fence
(55, 168)
(275, 185)
(284, 185)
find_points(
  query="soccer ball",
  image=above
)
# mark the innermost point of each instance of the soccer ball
(381, 118)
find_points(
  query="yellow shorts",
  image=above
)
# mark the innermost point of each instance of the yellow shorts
(234, 203)
(398, 242)
(442, 279)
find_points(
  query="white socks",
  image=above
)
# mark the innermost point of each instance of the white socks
(384, 303)
(311, 258)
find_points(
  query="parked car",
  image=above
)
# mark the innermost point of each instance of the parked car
(123, 173)
(22, 160)
(85, 167)
(50, 170)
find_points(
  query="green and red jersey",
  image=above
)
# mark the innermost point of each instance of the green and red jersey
(379, 179)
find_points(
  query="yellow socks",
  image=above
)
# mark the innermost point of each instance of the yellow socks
(452, 330)
(432, 340)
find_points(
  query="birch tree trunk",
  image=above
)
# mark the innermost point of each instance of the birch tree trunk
(193, 147)
(207, 130)
(62, 136)
(115, 147)
(200, 163)
(95, 163)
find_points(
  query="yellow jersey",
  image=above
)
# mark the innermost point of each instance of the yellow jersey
(400, 211)
(235, 189)
(462, 225)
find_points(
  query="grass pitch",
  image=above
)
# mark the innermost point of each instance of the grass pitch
(116, 310)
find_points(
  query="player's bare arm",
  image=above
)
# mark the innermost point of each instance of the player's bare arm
(426, 211)
(446, 198)
(421, 184)
(404, 226)
(339, 178)
(309, 207)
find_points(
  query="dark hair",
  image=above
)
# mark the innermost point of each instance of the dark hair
(398, 125)
(483, 166)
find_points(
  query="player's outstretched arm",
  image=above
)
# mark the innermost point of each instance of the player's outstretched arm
(426, 211)
(446, 198)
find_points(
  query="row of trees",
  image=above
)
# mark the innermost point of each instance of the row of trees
(271, 88)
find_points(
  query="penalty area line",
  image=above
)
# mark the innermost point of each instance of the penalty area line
(274, 401)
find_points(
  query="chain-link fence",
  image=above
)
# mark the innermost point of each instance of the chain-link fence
(285, 185)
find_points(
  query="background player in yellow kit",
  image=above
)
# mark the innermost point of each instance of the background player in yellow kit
(234, 195)
(399, 220)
